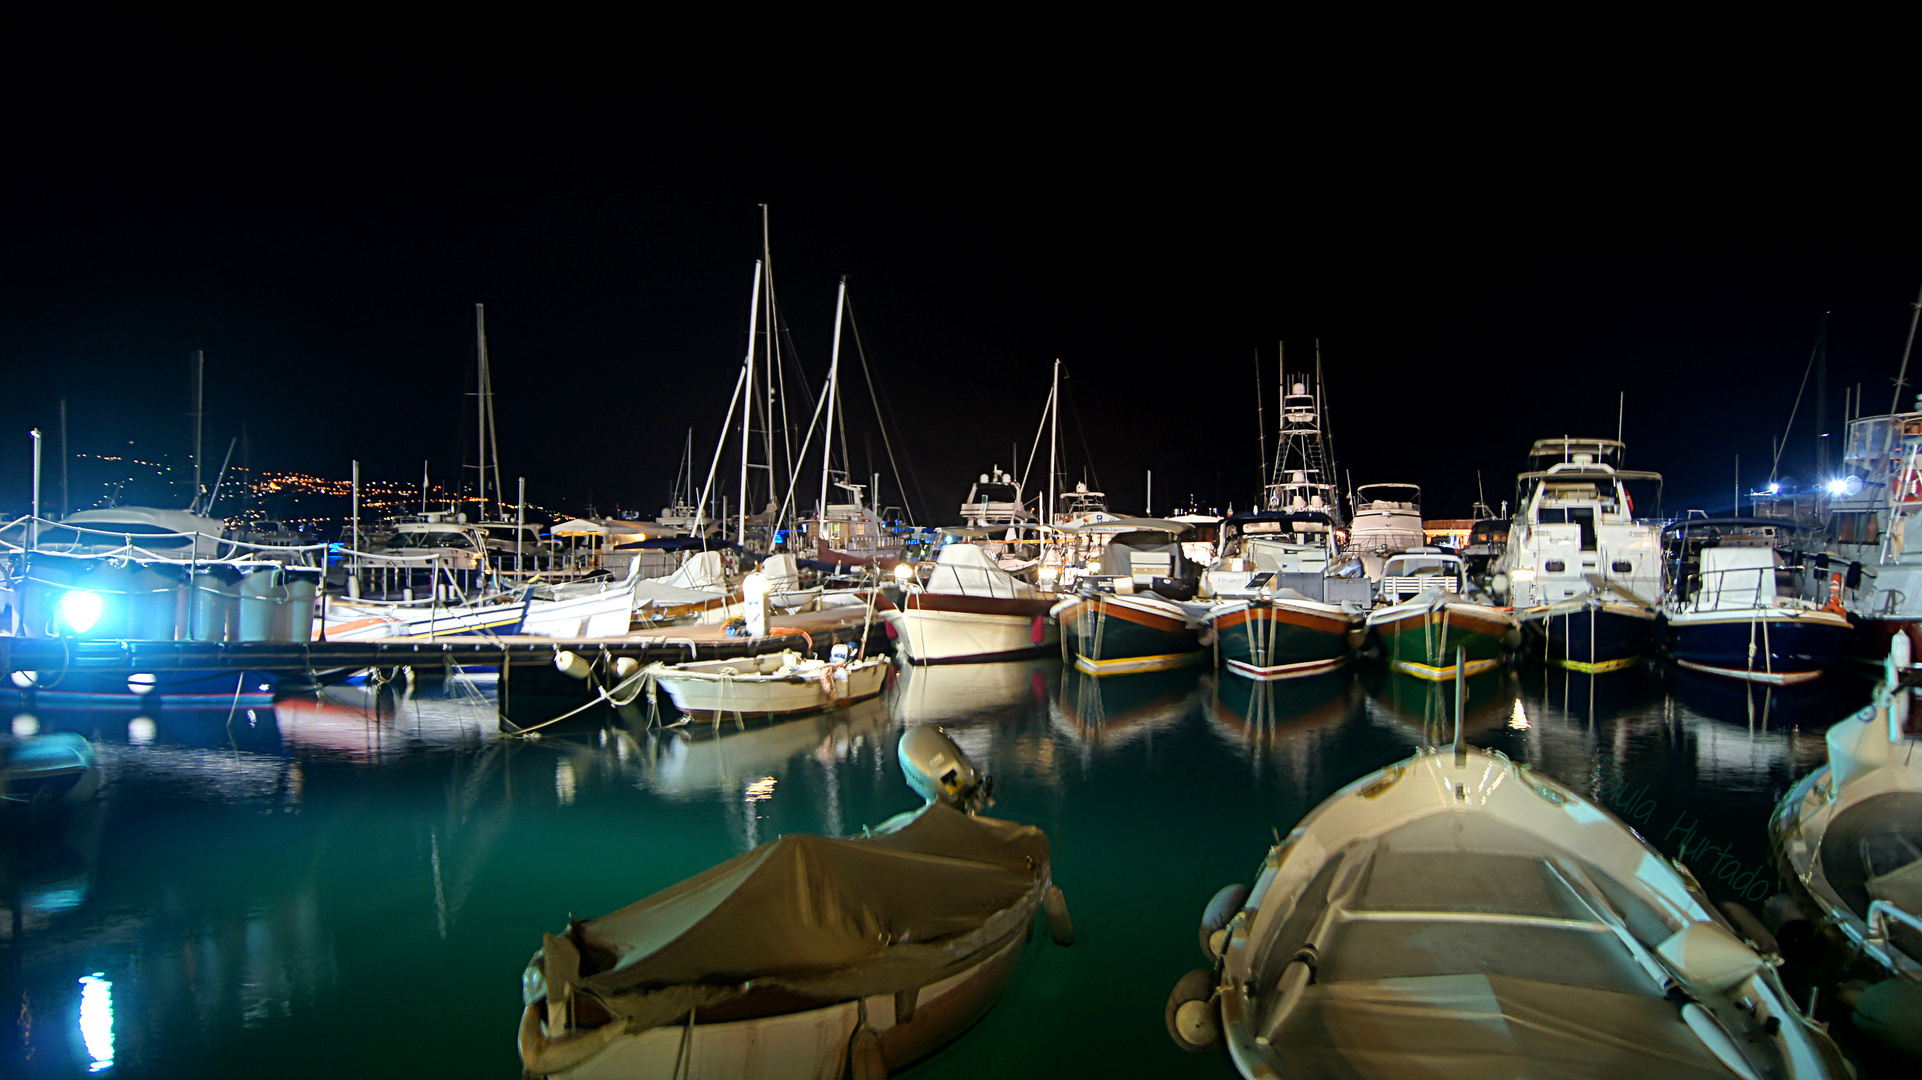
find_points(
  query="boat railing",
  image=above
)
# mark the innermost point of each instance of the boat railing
(1764, 593)
(152, 548)
(1881, 915)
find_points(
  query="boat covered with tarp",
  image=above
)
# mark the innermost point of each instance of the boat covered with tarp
(809, 956)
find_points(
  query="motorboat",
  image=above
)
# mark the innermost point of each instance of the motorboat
(851, 534)
(1866, 564)
(970, 610)
(808, 956)
(994, 501)
(1583, 575)
(1282, 607)
(1732, 610)
(1429, 619)
(1133, 611)
(770, 684)
(1387, 521)
(1459, 915)
(1848, 841)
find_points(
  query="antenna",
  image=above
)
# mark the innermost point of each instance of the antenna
(1621, 414)
(1261, 419)
(1902, 375)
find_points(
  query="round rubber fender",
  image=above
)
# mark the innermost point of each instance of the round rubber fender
(1060, 923)
(865, 1059)
(1221, 910)
(1750, 927)
(1193, 1019)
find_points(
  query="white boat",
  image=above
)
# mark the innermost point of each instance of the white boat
(807, 958)
(1579, 569)
(994, 501)
(1848, 839)
(571, 610)
(1459, 915)
(971, 610)
(1387, 521)
(771, 684)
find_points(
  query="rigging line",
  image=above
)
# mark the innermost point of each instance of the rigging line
(880, 420)
(1790, 426)
(1086, 455)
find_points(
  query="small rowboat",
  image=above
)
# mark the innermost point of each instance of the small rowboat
(773, 684)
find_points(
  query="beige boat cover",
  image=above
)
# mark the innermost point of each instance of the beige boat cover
(1475, 1027)
(828, 918)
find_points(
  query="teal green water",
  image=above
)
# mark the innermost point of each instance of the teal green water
(352, 884)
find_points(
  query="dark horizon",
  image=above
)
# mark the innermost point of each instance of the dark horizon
(324, 241)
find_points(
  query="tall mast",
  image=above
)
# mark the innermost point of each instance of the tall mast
(747, 414)
(1822, 403)
(480, 407)
(1261, 419)
(1902, 375)
(1054, 437)
(771, 375)
(833, 387)
(200, 367)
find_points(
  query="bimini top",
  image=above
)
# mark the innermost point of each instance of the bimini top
(1569, 449)
(825, 918)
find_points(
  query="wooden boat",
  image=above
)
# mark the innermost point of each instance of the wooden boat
(1284, 635)
(1429, 619)
(971, 610)
(771, 684)
(1457, 915)
(1117, 633)
(807, 957)
(1848, 840)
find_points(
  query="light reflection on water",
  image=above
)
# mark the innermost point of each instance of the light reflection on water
(276, 891)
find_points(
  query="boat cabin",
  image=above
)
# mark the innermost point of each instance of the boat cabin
(1412, 573)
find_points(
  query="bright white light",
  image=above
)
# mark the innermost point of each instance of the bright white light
(904, 572)
(1838, 487)
(24, 680)
(761, 790)
(140, 683)
(96, 1020)
(1518, 719)
(141, 730)
(1775, 489)
(25, 725)
(565, 782)
(80, 609)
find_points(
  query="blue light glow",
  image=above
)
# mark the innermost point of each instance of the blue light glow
(80, 609)
(96, 1020)
(1838, 486)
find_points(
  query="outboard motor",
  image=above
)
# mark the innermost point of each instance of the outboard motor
(940, 771)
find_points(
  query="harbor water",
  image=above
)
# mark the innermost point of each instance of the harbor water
(350, 883)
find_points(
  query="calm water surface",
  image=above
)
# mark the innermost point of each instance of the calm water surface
(351, 884)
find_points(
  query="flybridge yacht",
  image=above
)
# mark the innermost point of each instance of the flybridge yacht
(1082, 507)
(995, 501)
(1878, 577)
(1578, 569)
(852, 534)
(1387, 521)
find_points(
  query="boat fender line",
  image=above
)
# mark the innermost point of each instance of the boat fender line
(865, 1058)
(1751, 928)
(1221, 910)
(1191, 1014)
(1060, 923)
(1789, 925)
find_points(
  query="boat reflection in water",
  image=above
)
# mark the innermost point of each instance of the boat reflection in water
(1114, 710)
(1265, 714)
(1410, 704)
(696, 761)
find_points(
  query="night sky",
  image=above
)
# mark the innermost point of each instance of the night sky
(1485, 259)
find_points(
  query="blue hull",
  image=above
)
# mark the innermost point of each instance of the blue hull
(1592, 639)
(1784, 650)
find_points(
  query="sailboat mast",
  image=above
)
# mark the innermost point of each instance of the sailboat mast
(200, 368)
(1054, 437)
(747, 414)
(480, 407)
(834, 375)
(1261, 419)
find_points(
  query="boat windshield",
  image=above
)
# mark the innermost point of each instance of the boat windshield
(425, 539)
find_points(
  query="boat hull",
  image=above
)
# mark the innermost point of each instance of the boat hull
(1423, 640)
(1591, 636)
(943, 628)
(808, 1045)
(711, 695)
(1767, 645)
(1111, 635)
(1280, 639)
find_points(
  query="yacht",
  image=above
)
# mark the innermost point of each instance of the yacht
(1732, 609)
(1387, 521)
(1581, 572)
(994, 501)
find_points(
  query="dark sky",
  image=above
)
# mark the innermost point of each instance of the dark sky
(1485, 259)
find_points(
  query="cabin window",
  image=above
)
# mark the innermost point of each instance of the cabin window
(1622, 566)
(1554, 566)
(1856, 527)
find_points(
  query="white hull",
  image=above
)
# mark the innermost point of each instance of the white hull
(928, 637)
(607, 614)
(345, 620)
(770, 685)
